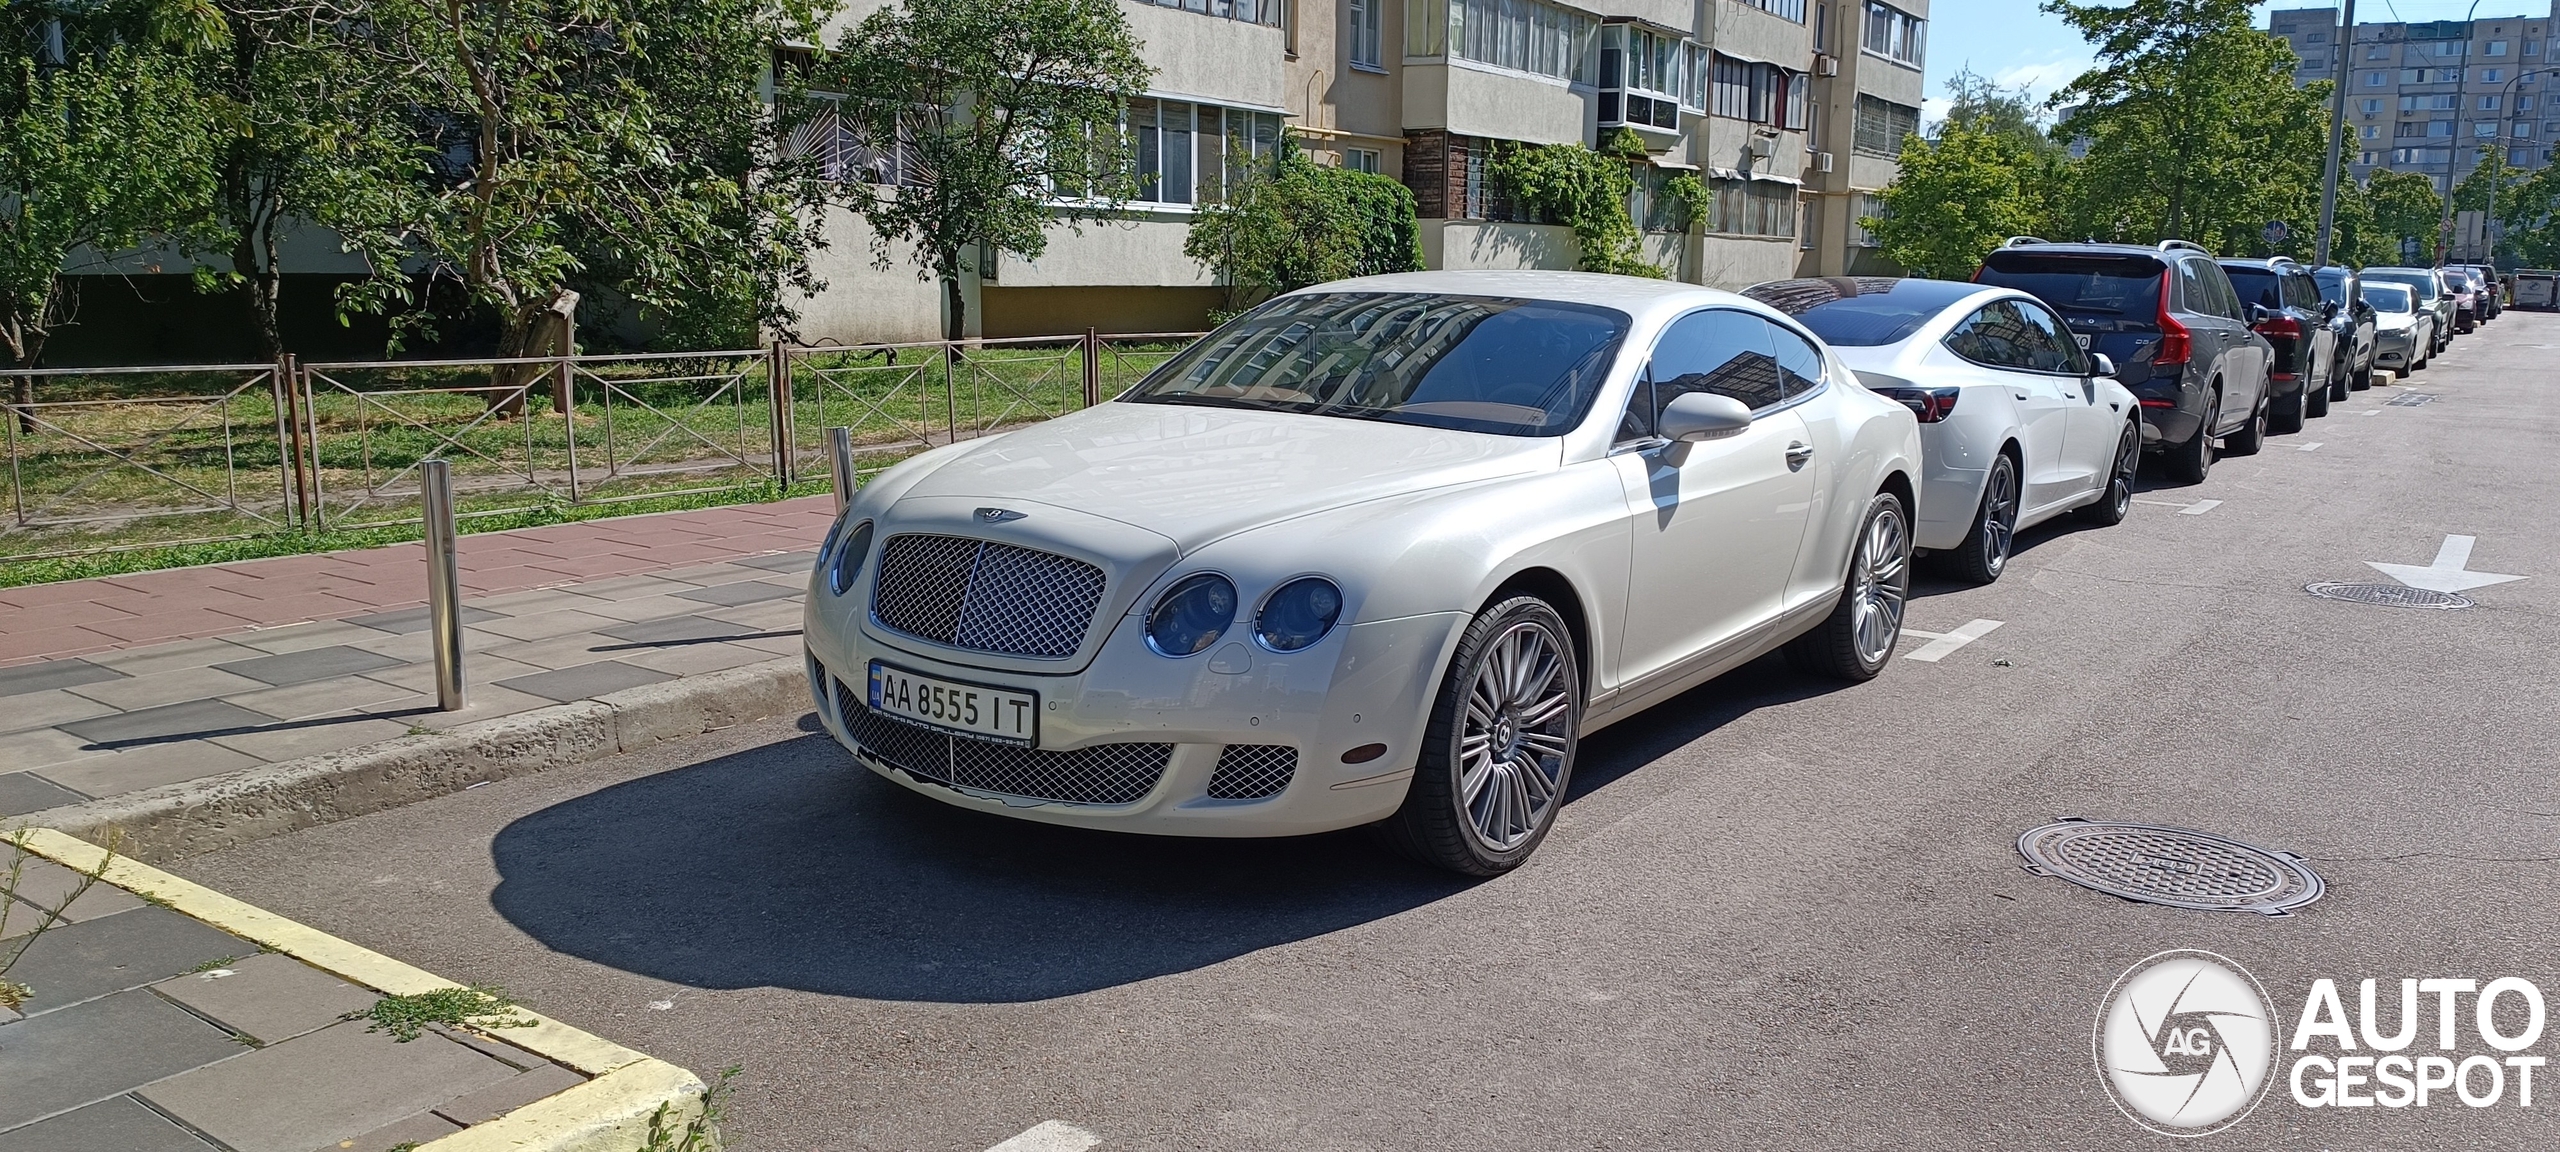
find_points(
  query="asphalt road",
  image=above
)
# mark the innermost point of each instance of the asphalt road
(1778, 914)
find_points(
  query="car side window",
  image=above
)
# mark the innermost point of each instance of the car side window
(1721, 351)
(2195, 291)
(2222, 290)
(2051, 345)
(1799, 364)
(2306, 295)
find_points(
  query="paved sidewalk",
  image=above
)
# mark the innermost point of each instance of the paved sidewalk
(565, 612)
(77, 617)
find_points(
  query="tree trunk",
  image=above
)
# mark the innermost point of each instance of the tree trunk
(955, 312)
(254, 257)
(24, 345)
(539, 328)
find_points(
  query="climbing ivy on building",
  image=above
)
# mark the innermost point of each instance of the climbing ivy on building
(1584, 189)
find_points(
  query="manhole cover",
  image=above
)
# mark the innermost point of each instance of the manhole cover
(2409, 399)
(2387, 595)
(2171, 866)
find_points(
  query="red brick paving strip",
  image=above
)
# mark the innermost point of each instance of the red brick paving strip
(48, 621)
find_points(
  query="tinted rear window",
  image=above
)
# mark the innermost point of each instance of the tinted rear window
(2087, 285)
(2255, 286)
(2389, 297)
(2420, 281)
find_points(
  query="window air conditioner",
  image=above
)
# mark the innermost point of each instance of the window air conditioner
(1821, 161)
(1825, 64)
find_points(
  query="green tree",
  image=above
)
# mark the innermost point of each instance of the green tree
(1957, 197)
(2359, 241)
(1585, 189)
(105, 141)
(1010, 112)
(2407, 212)
(2195, 127)
(1293, 223)
(557, 129)
(1982, 106)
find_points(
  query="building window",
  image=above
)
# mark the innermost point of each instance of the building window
(2378, 52)
(1754, 208)
(1647, 76)
(1864, 206)
(2524, 103)
(2448, 75)
(1894, 34)
(2493, 75)
(1360, 159)
(2485, 128)
(2519, 157)
(1786, 9)
(1187, 153)
(2316, 38)
(2372, 130)
(1882, 125)
(2373, 79)
(1363, 31)
(1523, 35)
(2372, 106)
(2488, 103)
(1265, 12)
(1762, 94)
(2494, 48)
(2533, 47)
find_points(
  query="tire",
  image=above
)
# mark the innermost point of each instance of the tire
(2315, 401)
(2193, 460)
(2400, 373)
(2252, 436)
(2110, 509)
(1985, 551)
(2362, 381)
(1483, 832)
(2339, 386)
(2296, 411)
(1856, 640)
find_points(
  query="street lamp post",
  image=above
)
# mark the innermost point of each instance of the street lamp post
(2346, 42)
(2453, 149)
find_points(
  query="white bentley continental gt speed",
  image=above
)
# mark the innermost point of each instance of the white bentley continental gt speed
(2018, 424)
(1377, 552)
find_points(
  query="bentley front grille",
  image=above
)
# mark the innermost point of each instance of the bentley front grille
(1098, 774)
(985, 596)
(1252, 771)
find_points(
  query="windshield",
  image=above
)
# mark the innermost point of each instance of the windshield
(1472, 363)
(2422, 282)
(2100, 285)
(2333, 286)
(2389, 298)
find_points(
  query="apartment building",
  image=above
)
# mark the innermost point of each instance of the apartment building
(2428, 96)
(1791, 112)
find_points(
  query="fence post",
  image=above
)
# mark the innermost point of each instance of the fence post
(1092, 367)
(777, 373)
(840, 465)
(564, 396)
(306, 443)
(288, 463)
(950, 401)
(444, 582)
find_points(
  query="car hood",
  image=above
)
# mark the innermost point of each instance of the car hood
(1196, 474)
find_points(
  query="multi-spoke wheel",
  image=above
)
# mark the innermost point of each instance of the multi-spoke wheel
(1985, 551)
(1856, 640)
(1498, 754)
(2111, 508)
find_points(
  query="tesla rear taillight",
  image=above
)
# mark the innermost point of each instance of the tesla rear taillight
(1929, 404)
(2148, 402)
(2174, 341)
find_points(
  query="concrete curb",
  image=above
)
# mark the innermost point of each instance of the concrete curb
(632, 1101)
(196, 816)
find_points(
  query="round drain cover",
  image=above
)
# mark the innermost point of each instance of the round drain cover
(2171, 866)
(2387, 595)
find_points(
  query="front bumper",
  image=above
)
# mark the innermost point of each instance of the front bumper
(1131, 711)
(2394, 349)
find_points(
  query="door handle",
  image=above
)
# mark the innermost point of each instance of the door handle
(1797, 454)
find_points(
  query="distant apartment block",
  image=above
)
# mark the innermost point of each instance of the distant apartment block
(2428, 96)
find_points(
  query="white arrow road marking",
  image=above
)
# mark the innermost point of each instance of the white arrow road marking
(2313, 446)
(2200, 507)
(2370, 412)
(1050, 1136)
(1940, 644)
(2448, 574)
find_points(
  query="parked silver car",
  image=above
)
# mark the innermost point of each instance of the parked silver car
(2404, 332)
(2434, 293)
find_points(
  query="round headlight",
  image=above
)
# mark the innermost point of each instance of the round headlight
(1191, 615)
(1299, 614)
(847, 562)
(835, 532)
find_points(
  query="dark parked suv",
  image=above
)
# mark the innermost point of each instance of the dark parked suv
(2285, 307)
(2169, 319)
(2353, 318)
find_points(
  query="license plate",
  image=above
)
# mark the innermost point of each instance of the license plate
(956, 705)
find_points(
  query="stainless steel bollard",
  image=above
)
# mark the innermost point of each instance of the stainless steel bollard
(444, 583)
(840, 465)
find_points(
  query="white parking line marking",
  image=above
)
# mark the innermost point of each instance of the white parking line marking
(1050, 1136)
(2313, 446)
(2200, 507)
(2370, 412)
(2161, 503)
(1940, 644)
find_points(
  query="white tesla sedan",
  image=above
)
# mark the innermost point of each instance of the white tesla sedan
(2018, 424)
(1380, 550)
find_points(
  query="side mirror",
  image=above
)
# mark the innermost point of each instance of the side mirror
(2328, 309)
(2104, 366)
(2258, 314)
(1704, 416)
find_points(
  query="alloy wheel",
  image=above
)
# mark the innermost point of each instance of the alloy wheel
(1881, 584)
(1515, 736)
(2128, 466)
(1999, 519)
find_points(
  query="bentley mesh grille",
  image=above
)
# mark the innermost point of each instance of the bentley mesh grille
(985, 596)
(1099, 774)
(1252, 771)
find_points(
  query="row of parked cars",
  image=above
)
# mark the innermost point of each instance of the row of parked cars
(1380, 552)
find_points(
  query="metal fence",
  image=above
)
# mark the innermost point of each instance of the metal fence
(111, 459)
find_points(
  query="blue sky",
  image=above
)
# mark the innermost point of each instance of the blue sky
(2013, 42)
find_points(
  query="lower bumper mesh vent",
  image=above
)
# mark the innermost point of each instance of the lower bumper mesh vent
(1100, 774)
(1252, 771)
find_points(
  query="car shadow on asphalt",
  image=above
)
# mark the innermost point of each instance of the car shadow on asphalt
(789, 866)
